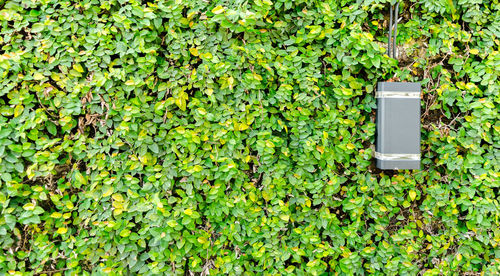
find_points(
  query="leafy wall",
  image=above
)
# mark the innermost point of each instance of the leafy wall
(224, 137)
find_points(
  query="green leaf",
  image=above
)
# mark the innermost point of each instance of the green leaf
(80, 179)
(37, 27)
(51, 128)
(154, 148)
(125, 233)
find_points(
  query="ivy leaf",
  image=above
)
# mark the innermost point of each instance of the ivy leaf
(80, 179)
(62, 230)
(218, 10)
(37, 27)
(125, 233)
(413, 195)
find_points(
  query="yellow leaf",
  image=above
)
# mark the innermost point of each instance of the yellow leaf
(193, 74)
(191, 14)
(269, 144)
(266, 195)
(117, 197)
(290, 269)
(207, 55)
(202, 240)
(56, 215)
(18, 110)
(284, 217)
(181, 103)
(202, 111)
(474, 51)
(125, 233)
(62, 230)
(130, 82)
(172, 223)
(78, 67)
(243, 126)
(38, 76)
(351, 146)
(385, 244)
(117, 211)
(188, 212)
(252, 196)
(194, 52)
(413, 195)
(37, 189)
(218, 10)
(29, 206)
(230, 81)
(108, 190)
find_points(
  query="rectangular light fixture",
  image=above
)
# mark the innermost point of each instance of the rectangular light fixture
(398, 125)
(398, 115)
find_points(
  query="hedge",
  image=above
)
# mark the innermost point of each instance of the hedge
(236, 137)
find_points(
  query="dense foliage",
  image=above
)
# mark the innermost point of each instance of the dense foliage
(236, 137)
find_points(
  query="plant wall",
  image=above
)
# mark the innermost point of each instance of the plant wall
(236, 137)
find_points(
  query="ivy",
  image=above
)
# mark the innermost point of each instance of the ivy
(235, 137)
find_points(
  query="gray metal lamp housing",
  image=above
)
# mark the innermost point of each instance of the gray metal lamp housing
(398, 115)
(398, 125)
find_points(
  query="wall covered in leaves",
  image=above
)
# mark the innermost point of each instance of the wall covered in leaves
(233, 137)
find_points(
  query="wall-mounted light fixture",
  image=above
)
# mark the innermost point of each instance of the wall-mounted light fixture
(398, 116)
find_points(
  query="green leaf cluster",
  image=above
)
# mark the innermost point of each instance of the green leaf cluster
(235, 137)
